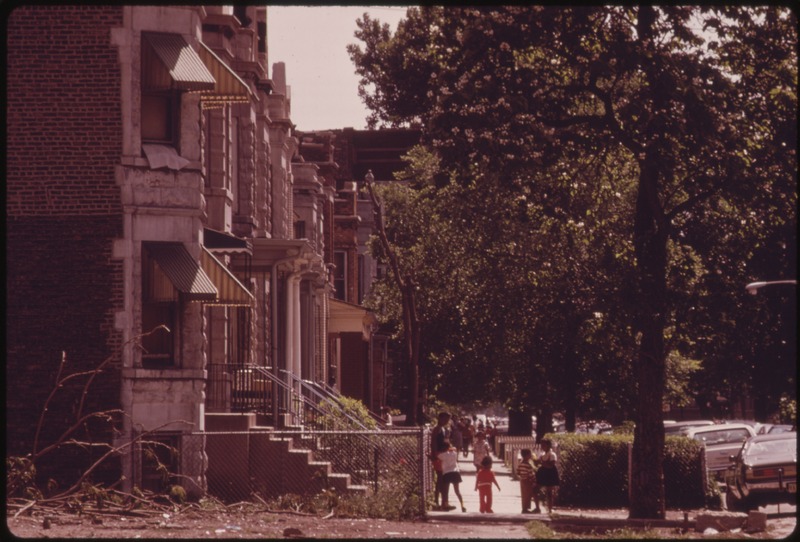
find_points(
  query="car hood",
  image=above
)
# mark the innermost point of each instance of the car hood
(765, 460)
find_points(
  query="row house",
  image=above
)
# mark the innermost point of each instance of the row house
(163, 234)
(374, 372)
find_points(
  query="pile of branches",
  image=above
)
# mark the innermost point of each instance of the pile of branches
(96, 501)
(26, 493)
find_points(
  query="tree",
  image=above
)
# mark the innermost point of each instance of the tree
(509, 96)
(404, 279)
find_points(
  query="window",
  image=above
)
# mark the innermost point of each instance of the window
(340, 275)
(159, 461)
(160, 117)
(158, 345)
(300, 229)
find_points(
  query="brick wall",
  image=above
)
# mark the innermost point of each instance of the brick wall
(64, 118)
(63, 213)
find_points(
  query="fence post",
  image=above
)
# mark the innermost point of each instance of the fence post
(630, 473)
(375, 459)
(704, 471)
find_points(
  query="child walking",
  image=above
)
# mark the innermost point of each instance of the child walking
(526, 472)
(483, 485)
(450, 476)
(480, 449)
(547, 474)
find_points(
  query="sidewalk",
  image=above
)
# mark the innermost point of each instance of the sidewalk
(507, 505)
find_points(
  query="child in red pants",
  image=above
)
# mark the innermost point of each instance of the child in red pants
(483, 485)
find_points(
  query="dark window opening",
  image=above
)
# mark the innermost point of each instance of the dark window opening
(160, 463)
(240, 12)
(262, 37)
(340, 275)
(160, 117)
(300, 230)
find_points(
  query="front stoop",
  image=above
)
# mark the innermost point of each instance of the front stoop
(257, 460)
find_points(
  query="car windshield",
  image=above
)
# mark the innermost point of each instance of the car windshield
(772, 447)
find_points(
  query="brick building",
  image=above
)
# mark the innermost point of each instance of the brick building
(157, 228)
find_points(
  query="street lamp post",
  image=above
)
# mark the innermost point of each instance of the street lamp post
(754, 286)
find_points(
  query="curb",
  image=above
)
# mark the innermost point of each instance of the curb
(563, 520)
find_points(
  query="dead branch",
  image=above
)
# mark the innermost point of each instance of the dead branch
(109, 453)
(26, 507)
(63, 438)
(47, 401)
(92, 375)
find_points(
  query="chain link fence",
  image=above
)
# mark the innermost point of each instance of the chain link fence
(269, 464)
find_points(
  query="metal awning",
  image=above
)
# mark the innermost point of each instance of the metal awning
(230, 291)
(222, 242)
(182, 273)
(207, 281)
(228, 88)
(168, 63)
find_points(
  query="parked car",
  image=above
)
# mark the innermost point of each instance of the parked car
(752, 423)
(677, 428)
(764, 471)
(770, 429)
(720, 440)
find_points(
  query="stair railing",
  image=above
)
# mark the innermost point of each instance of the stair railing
(293, 403)
(336, 396)
(320, 397)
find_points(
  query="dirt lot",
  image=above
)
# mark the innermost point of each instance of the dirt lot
(199, 523)
(202, 524)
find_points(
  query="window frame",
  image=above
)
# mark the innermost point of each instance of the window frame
(158, 351)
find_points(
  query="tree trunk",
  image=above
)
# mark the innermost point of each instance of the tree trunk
(650, 235)
(650, 241)
(519, 423)
(544, 422)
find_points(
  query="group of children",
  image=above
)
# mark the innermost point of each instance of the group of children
(533, 472)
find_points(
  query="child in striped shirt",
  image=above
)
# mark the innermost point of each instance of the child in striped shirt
(526, 471)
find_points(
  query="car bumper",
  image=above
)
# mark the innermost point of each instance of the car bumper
(789, 488)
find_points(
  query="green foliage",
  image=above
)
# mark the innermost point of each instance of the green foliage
(177, 494)
(788, 410)
(683, 474)
(679, 373)
(544, 126)
(21, 478)
(348, 413)
(540, 531)
(594, 469)
(625, 428)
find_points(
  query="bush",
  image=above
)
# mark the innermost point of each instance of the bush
(594, 471)
(341, 415)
